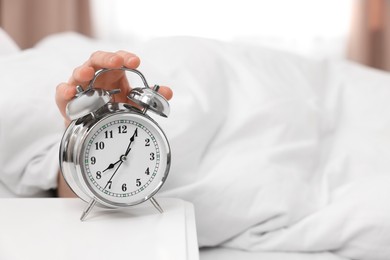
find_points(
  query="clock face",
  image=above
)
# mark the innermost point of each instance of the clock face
(125, 159)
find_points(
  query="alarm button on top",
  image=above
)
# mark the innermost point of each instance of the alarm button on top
(150, 99)
(87, 102)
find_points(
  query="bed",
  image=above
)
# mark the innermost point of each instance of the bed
(287, 155)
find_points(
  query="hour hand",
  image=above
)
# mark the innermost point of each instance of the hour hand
(112, 165)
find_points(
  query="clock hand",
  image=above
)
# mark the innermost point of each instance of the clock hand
(123, 157)
(131, 141)
(112, 176)
(112, 165)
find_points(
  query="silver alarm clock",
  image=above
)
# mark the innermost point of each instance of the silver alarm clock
(113, 154)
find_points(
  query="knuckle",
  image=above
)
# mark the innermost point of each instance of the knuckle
(96, 54)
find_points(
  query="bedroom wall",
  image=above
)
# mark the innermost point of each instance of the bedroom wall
(370, 33)
(29, 21)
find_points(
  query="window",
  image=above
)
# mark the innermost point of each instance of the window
(301, 25)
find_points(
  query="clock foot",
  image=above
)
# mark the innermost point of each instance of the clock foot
(156, 205)
(88, 209)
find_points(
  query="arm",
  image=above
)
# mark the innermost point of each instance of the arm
(115, 79)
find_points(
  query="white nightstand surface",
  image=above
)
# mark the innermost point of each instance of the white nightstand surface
(50, 228)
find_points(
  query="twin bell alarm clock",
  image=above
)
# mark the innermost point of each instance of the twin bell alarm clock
(115, 155)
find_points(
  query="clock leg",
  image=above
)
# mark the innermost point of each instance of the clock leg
(156, 205)
(88, 209)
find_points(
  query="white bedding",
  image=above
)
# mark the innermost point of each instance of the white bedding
(277, 152)
(232, 254)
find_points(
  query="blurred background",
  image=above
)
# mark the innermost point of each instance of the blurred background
(358, 30)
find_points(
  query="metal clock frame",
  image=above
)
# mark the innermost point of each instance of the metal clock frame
(73, 141)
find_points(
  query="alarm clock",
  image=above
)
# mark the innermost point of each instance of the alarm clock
(115, 155)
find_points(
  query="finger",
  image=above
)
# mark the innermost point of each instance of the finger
(81, 75)
(166, 92)
(130, 60)
(64, 93)
(102, 59)
(124, 91)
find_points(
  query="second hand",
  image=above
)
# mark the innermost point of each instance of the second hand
(112, 176)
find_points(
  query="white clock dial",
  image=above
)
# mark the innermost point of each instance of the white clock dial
(125, 159)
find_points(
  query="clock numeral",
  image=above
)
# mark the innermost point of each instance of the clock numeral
(99, 145)
(108, 134)
(98, 175)
(109, 184)
(124, 188)
(147, 172)
(93, 160)
(122, 129)
(147, 142)
(151, 156)
(138, 182)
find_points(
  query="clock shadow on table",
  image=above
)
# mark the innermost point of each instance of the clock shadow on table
(134, 212)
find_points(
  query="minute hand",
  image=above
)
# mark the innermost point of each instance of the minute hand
(131, 141)
(112, 176)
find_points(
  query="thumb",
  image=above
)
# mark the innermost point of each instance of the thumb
(64, 93)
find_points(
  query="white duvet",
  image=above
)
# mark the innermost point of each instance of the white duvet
(277, 152)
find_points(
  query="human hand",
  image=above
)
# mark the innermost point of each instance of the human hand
(83, 74)
(112, 80)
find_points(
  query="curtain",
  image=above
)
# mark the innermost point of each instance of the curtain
(28, 21)
(369, 41)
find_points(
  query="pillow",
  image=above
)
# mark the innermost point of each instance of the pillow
(354, 169)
